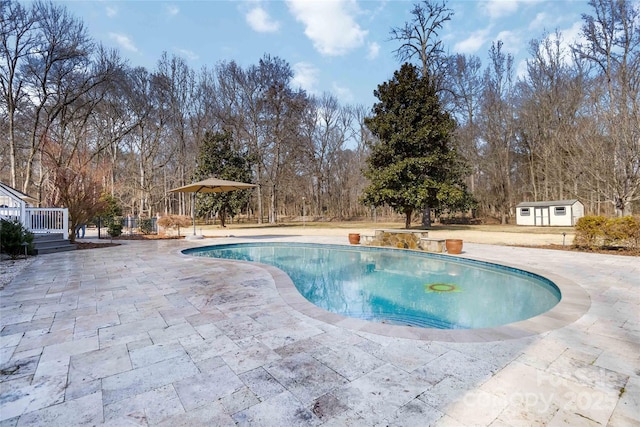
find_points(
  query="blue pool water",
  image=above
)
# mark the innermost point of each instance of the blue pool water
(401, 287)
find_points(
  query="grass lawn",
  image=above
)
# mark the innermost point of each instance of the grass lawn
(366, 225)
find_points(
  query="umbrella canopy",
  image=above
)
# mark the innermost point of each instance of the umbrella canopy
(211, 185)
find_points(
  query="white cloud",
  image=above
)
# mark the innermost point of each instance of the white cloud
(305, 76)
(329, 24)
(111, 11)
(546, 21)
(568, 37)
(512, 41)
(573, 34)
(260, 21)
(124, 41)
(172, 10)
(189, 54)
(540, 21)
(499, 8)
(374, 50)
(473, 43)
(343, 94)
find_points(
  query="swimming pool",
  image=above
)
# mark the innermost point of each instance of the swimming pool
(402, 287)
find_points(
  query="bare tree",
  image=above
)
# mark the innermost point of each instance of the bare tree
(55, 75)
(76, 185)
(282, 112)
(550, 108)
(180, 84)
(498, 132)
(326, 128)
(17, 39)
(143, 151)
(239, 108)
(464, 81)
(612, 44)
(112, 120)
(352, 162)
(420, 39)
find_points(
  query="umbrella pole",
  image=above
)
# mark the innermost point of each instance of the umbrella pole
(194, 213)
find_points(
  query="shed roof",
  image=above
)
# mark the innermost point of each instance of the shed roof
(547, 203)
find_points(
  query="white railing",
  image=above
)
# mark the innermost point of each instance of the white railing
(47, 220)
(10, 213)
(36, 220)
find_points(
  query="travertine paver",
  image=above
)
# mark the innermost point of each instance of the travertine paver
(305, 377)
(204, 388)
(140, 334)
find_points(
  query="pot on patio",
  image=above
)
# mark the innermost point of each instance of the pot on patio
(454, 246)
(354, 238)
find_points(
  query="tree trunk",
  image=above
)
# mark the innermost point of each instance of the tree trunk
(426, 217)
(223, 217)
(273, 206)
(407, 220)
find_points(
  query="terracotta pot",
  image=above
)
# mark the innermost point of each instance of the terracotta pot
(454, 246)
(354, 238)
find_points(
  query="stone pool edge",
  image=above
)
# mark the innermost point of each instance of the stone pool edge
(574, 303)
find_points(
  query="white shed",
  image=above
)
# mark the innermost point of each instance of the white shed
(555, 212)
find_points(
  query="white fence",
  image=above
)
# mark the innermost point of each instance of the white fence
(47, 220)
(40, 220)
(36, 220)
(8, 212)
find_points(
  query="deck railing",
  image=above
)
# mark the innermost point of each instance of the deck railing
(40, 220)
(36, 220)
(10, 213)
(47, 220)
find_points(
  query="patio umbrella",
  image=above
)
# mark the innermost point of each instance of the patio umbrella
(211, 185)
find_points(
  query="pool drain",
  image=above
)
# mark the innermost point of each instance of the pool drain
(442, 288)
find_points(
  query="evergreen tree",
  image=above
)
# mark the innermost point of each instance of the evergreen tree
(218, 159)
(413, 163)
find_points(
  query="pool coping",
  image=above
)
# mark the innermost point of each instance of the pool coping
(574, 303)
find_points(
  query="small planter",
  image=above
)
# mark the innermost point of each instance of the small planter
(354, 238)
(454, 246)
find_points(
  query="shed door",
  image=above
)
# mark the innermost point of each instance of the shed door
(542, 216)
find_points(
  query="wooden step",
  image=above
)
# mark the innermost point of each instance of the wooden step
(47, 243)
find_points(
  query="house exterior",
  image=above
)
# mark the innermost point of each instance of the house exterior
(549, 213)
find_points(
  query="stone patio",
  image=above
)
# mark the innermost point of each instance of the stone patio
(141, 334)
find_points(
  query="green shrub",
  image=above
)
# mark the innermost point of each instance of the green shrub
(598, 231)
(112, 207)
(614, 234)
(12, 236)
(623, 231)
(633, 232)
(590, 231)
(111, 215)
(145, 225)
(114, 227)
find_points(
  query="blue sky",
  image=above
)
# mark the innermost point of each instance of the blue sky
(337, 46)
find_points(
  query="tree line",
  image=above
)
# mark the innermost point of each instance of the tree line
(78, 119)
